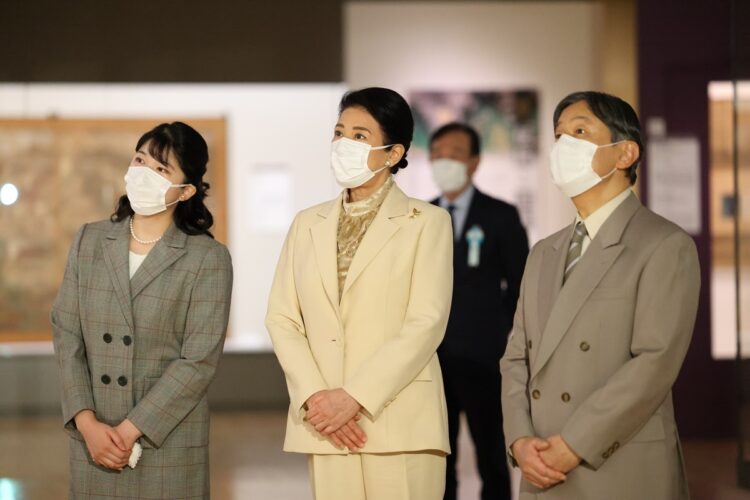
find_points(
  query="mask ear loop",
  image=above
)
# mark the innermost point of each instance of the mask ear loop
(388, 165)
(612, 143)
(387, 162)
(181, 198)
(611, 173)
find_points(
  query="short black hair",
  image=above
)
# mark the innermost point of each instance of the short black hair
(475, 143)
(618, 115)
(392, 113)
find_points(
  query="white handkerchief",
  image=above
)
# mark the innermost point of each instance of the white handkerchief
(135, 455)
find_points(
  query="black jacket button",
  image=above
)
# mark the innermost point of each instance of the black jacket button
(107, 338)
(106, 380)
(127, 340)
(122, 380)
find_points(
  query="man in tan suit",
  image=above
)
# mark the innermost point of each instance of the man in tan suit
(603, 323)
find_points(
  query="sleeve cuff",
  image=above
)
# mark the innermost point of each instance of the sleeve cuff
(371, 408)
(588, 457)
(72, 406)
(511, 459)
(299, 402)
(151, 422)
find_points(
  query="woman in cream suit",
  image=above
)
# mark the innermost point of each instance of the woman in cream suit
(139, 325)
(359, 304)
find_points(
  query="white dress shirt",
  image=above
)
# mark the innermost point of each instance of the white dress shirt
(461, 207)
(136, 260)
(596, 220)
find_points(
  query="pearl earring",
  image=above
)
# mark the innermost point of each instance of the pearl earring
(387, 163)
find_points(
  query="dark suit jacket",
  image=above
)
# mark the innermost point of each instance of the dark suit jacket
(484, 297)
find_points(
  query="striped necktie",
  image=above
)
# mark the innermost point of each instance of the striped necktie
(575, 250)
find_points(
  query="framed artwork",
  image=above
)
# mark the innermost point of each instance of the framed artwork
(56, 174)
(507, 122)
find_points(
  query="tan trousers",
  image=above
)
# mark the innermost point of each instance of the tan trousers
(388, 476)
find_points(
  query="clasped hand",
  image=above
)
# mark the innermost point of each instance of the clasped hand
(108, 446)
(334, 414)
(544, 462)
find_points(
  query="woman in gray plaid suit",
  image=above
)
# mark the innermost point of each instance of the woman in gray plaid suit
(139, 325)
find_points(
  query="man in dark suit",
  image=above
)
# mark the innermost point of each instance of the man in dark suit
(490, 249)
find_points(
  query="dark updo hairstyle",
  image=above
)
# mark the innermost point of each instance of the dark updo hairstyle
(392, 113)
(186, 144)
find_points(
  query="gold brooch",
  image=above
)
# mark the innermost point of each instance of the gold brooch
(415, 213)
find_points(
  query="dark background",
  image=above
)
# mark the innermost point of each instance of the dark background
(170, 41)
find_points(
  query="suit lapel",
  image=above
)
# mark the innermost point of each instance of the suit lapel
(115, 250)
(396, 204)
(592, 268)
(598, 259)
(170, 248)
(550, 278)
(324, 241)
(472, 217)
(460, 247)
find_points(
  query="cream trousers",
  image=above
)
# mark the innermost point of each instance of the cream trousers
(383, 476)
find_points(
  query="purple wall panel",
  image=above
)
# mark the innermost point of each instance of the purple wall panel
(682, 46)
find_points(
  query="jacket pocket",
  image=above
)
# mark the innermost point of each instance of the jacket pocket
(608, 293)
(652, 431)
(426, 374)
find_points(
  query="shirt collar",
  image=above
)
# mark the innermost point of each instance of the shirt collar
(369, 204)
(463, 200)
(596, 220)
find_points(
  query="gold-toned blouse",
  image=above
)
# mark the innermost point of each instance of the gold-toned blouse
(354, 220)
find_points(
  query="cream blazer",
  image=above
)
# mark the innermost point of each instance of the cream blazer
(379, 342)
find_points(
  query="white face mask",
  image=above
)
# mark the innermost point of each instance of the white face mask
(450, 175)
(349, 162)
(571, 165)
(147, 190)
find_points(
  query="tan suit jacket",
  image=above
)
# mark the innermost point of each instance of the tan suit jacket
(595, 360)
(379, 342)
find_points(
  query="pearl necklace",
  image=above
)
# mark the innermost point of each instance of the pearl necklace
(142, 242)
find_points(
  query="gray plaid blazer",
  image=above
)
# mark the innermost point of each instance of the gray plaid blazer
(145, 349)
